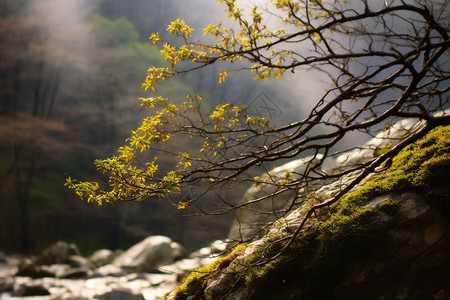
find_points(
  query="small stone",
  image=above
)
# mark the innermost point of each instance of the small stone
(120, 295)
(109, 270)
(27, 268)
(76, 273)
(3, 257)
(77, 261)
(101, 257)
(31, 290)
(57, 253)
(6, 285)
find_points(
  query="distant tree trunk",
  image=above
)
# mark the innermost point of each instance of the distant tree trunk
(24, 218)
(25, 171)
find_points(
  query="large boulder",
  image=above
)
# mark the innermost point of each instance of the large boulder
(387, 239)
(410, 261)
(147, 255)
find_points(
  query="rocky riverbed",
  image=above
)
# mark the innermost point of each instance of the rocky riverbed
(148, 270)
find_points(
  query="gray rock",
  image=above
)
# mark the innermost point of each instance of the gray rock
(120, 295)
(58, 253)
(158, 292)
(30, 290)
(76, 273)
(10, 268)
(28, 268)
(109, 270)
(147, 255)
(101, 257)
(119, 286)
(76, 261)
(57, 269)
(6, 285)
(3, 257)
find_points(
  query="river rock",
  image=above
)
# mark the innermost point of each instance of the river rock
(120, 295)
(76, 273)
(6, 285)
(76, 282)
(109, 270)
(101, 257)
(3, 257)
(57, 269)
(147, 255)
(29, 268)
(30, 290)
(58, 253)
(127, 286)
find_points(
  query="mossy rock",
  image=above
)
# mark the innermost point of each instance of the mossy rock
(317, 265)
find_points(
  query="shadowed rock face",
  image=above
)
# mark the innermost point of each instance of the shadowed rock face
(411, 263)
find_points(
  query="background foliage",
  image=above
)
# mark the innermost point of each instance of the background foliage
(70, 85)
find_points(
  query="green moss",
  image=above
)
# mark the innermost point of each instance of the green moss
(418, 167)
(195, 283)
(265, 281)
(432, 181)
(389, 207)
(382, 150)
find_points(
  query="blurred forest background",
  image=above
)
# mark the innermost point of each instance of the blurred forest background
(70, 76)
